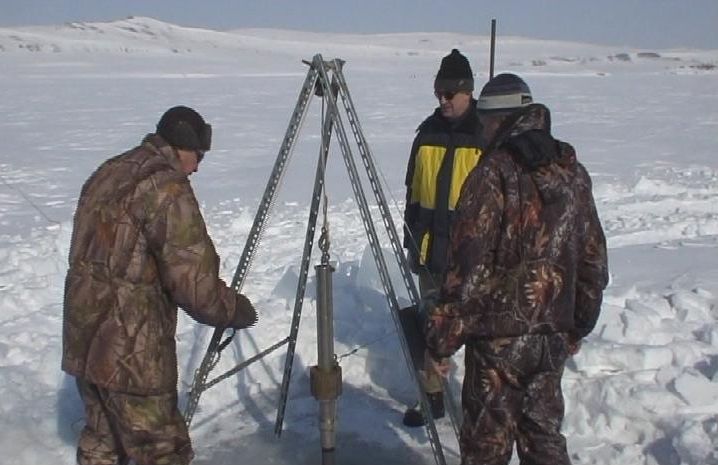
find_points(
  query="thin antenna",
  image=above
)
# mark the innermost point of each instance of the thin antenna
(493, 48)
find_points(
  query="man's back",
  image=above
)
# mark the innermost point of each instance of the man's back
(108, 212)
(139, 249)
(528, 251)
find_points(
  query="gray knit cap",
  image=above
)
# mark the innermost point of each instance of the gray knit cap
(505, 92)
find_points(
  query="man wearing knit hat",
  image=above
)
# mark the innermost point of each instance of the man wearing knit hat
(446, 148)
(139, 250)
(526, 271)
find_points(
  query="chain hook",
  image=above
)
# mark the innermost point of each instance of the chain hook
(324, 242)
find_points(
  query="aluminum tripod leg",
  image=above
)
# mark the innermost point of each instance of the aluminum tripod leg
(211, 356)
(304, 271)
(376, 249)
(375, 183)
(368, 161)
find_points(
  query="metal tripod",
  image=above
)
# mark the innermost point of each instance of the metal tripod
(318, 82)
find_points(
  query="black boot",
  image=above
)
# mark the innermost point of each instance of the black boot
(413, 417)
(436, 403)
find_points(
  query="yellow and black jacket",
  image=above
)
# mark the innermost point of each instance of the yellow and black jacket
(443, 154)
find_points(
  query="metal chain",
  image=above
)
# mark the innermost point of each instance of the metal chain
(364, 346)
(324, 242)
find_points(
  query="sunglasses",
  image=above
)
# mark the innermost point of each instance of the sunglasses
(448, 95)
(200, 155)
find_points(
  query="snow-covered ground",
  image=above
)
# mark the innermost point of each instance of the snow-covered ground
(644, 388)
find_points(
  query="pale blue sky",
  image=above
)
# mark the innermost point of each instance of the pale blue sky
(638, 23)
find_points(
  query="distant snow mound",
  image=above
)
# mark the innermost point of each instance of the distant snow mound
(132, 35)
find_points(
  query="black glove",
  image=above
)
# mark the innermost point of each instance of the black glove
(428, 303)
(245, 315)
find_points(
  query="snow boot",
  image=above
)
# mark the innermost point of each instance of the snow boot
(413, 417)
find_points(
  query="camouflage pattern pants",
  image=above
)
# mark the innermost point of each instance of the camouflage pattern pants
(429, 285)
(121, 427)
(512, 394)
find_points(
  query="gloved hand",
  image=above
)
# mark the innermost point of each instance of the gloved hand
(440, 367)
(245, 315)
(428, 303)
(574, 345)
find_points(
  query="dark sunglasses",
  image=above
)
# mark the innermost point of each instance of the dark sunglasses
(448, 95)
(200, 155)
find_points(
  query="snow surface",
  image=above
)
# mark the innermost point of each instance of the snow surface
(643, 389)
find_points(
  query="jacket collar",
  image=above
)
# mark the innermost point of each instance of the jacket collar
(533, 117)
(158, 145)
(468, 122)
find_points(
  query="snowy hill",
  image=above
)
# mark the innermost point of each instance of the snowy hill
(149, 36)
(643, 389)
(132, 35)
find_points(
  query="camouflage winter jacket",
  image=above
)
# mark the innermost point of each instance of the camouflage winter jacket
(527, 253)
(139, 249)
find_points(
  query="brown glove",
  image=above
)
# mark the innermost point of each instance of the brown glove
(574, 345)
(245, 315)
(441, 367)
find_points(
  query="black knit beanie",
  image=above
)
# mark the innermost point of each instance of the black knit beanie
(504, 93)
(184, 128)
(454, 74)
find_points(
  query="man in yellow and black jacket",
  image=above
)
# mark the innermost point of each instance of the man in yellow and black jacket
(447, 147)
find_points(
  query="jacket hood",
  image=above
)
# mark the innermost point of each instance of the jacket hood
(551, 163)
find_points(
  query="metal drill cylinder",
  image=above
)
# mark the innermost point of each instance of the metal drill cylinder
(327, 426)
(327, 369)
(327, 456)
(325, 317)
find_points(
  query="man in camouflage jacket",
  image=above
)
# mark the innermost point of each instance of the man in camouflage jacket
(527, 269)
(140, 249)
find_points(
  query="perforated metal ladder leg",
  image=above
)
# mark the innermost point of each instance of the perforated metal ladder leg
(211, 356)
(304, 271)
(376, 251)
(374, 182)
